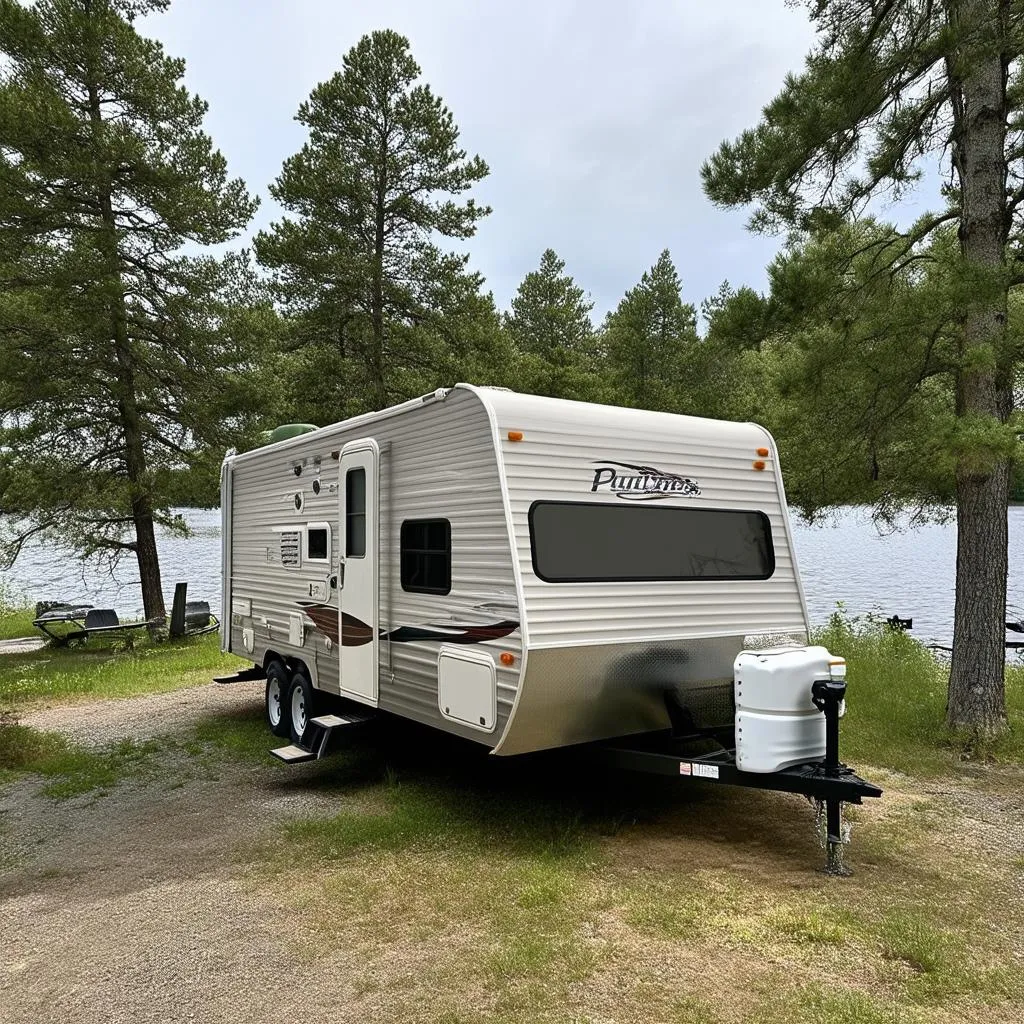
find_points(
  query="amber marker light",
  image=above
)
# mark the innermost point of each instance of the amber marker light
(758, 464)
(515, 435)
(762, 452)
(507, 659)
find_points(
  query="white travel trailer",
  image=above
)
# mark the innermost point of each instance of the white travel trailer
(527, 573)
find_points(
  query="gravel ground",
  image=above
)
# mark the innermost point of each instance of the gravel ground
(22, 645)
(159, 901)
(149, 903)
(143, 717)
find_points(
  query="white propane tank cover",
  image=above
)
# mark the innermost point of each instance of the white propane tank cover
(777, 724)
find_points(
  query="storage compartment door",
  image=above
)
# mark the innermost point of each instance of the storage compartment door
(466, 690)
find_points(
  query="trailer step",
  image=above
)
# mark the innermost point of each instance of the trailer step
(318, 736)
(347, 718)
(293, 754)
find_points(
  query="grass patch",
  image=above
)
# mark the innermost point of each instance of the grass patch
(105, 668)
(526, 956)
(814, 925)
(914, 941)
(242, 733)
(71, 769)
(16, 622)
(692, 1010)
(414, 815)
(896, 714)
(815, 1004)
(15, 615)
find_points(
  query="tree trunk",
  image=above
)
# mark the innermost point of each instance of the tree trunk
(376, 360)
(976, 684)
(125, 392)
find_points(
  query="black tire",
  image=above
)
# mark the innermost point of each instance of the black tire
(275, 704)
(302, 706)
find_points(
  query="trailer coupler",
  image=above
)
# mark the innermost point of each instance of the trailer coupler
(827, 782)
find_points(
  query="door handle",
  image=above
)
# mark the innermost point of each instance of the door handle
(341, 574)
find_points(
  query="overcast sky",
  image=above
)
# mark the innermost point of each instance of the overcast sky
(594, 116)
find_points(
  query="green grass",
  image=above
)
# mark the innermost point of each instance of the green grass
(915, 941)
(421, 815)
(15, 622)
(240, 734)
(71, 769)
(15, 614)
(105, 668)
(821, 1004)
(896, 702)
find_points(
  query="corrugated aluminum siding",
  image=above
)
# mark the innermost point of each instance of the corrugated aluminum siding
(437, 461)
(562, 445)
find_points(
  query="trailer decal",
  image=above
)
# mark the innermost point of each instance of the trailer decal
(646, 484)
(356, 633)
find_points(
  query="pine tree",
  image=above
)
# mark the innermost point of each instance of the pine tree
(551, 329)
(356, 265)
(116, 359)
(648, 338)
(890, 90)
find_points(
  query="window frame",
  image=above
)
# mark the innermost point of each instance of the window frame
(446, 551)
(307, 557)
(770, 563)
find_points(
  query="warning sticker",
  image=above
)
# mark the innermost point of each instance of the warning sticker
(684, 767)
(707, 771)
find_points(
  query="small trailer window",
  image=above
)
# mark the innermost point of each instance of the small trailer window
(318, 542)
(586, 542)
(355, 513)
(427, 556)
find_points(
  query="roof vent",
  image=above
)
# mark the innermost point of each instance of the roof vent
(286, 431)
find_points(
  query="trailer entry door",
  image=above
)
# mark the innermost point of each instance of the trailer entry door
(357, 571)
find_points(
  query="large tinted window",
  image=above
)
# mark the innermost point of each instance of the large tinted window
(575, 542)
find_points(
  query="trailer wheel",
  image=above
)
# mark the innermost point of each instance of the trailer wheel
(301, 705)
(276, 704)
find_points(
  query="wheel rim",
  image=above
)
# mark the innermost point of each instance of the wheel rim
(274, 709)
(299, 710)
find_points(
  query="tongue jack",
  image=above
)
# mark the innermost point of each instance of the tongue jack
(827, 696)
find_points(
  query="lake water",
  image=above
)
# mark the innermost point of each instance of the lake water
(909, 573)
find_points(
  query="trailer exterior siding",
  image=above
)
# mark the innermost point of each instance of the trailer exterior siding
(590, 659)
(602, 654)
(437, 461)
(565, 442)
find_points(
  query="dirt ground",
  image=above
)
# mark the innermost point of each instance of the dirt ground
(150, 902)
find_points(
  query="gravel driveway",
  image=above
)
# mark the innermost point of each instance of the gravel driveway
(148, 903)
(144, 717)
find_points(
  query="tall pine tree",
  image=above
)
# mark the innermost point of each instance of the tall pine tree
(115, 364)
(648, 338)
(550, 327)
(356, 262)
(892, 90)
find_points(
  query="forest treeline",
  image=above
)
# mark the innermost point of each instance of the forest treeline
(134, 352)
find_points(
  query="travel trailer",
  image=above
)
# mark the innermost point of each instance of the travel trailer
(531, 573)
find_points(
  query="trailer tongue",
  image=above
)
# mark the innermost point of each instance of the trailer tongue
(825, 780)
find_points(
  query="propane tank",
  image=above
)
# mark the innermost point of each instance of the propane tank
(777, 722)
